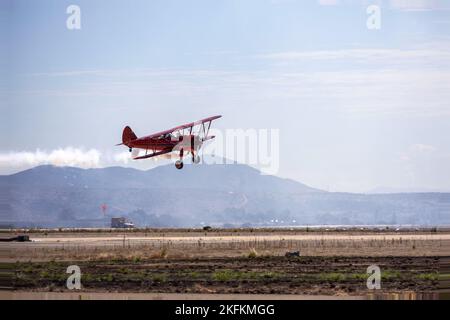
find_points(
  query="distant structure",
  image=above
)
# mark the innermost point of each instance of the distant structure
(20, 238)
(121, 222)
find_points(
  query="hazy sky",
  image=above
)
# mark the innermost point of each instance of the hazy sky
(356, 108)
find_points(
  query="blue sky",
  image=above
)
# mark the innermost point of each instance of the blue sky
(357, 109)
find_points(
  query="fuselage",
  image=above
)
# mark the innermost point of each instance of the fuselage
(168, 142)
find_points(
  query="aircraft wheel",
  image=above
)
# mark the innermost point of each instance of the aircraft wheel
(179, 164)
(196, 159)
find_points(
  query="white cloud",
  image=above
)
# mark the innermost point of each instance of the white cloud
(368, 55)
(366, 81)
(68, 156)
(417, 5)
(422, 148)
(365, 90)
(416, 150)
(404, 5)
(328, 2)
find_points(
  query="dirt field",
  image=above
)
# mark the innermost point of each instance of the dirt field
(413, 265)
(69, 245)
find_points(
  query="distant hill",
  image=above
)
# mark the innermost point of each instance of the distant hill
(222, 195)
(384, 190)
(218, 177)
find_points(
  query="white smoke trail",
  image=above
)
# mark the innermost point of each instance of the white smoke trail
(68, 156)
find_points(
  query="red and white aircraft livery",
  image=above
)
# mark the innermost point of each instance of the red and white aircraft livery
(187, 138)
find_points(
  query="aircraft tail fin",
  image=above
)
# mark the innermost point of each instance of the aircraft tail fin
(128, 135)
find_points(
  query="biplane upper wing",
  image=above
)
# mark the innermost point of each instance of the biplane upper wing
(184, 126)
(192, 124)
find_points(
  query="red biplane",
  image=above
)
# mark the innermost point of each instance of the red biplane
(182, 139)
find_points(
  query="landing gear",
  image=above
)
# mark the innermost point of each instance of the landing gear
(179, 164)
(195, 159)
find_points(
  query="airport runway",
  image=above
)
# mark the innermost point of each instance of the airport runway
(99, 240)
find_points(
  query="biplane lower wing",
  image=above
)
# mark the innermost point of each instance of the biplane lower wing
(154, 154)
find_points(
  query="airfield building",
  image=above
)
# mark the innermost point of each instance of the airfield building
(121, 222)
